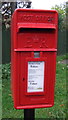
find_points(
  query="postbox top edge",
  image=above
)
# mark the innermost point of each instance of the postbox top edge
(36, 10)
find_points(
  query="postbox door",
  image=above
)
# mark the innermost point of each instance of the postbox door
(44, 96)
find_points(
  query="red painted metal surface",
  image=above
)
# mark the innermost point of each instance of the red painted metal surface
(31, 31)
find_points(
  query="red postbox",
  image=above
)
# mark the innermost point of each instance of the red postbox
(33, 57)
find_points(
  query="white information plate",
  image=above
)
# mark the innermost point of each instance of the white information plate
(35, 76)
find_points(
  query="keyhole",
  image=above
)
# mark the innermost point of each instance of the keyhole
(23, 79)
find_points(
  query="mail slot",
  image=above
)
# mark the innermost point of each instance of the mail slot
(33, 57)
